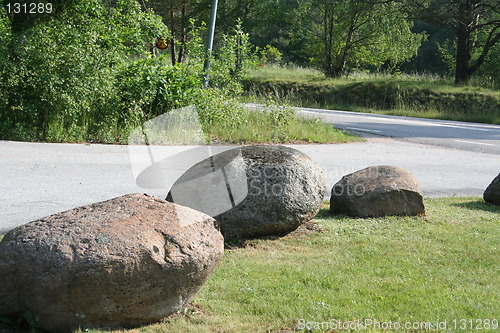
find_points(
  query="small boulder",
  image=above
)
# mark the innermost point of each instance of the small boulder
(492, 193)
(377, 191)
(254, 191)
(124, 262)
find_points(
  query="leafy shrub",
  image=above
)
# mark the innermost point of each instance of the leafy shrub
(85, 75)
(149, 87)
(270, 55)
(234, 57)
(61, 71)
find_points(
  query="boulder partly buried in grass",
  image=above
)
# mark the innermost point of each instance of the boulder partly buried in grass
(492, 193)
(377, 191)
(255, 191)
(123, 262)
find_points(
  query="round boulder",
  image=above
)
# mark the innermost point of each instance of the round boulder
(124, 262)
(253, 191)
(377, 191)
(492, 193)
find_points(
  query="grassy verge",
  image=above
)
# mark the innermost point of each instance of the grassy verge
(402, 269)
(416, 96)
(275, 124)
(301, 74)
(230, 122)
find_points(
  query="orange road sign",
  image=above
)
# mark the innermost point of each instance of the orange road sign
(162, 43)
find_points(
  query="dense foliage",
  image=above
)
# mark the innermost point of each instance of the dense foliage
(86, 73)
(88, 70)
(60, 75)
(350, 34)
(476, 31)
(365, 35)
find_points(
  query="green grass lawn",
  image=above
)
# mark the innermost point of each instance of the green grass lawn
(444, 266)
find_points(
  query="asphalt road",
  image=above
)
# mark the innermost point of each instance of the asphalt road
(451, 134)
(39, 179)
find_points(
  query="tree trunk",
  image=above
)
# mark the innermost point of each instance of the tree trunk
(464, 43)
(173, 42)
(341, 59)
(328, 25)
(183, 33)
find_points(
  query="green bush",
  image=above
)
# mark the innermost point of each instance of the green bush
(270, 55)
(149, 87)
(84, 75)
(232, 60)
(59, 75)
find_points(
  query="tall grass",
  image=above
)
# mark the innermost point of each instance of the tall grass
(422, 95)
(274, 124)
(308, 74)
(280, 73)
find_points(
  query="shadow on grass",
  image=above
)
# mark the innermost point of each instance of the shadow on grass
(478, 205)
(304, 228)
(324, 214)
(234, 244)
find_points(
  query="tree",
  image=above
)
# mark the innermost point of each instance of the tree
(176, 15)
(348, 33)
(477, 29)
(430, 56)
(5, 39)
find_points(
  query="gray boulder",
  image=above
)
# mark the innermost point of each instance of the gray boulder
(492, 193)
(377, 191)
(254, 191)
(124, 262)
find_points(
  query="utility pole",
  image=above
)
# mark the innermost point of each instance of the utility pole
(210, 41)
